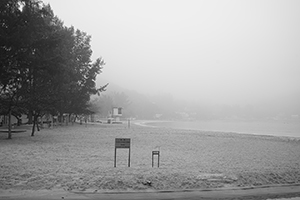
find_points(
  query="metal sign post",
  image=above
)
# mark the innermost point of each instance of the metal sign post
(155, 153)
(123, 143)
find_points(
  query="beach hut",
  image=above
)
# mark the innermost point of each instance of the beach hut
(117, 114)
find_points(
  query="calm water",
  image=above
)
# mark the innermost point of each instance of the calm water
(289, 128)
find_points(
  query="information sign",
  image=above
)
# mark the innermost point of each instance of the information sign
(122, 143)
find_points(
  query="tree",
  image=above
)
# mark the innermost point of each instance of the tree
(12, 54)
(45, 66)
(101, 105)
(79, 75)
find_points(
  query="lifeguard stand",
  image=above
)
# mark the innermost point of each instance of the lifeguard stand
(116, 114)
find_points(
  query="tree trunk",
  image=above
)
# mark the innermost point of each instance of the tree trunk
(92, 118)
(61, 118)
(19, 121)
(30, 114)
(37, 123)
(42, 122)
(67, 120)
(52, 122)
(86, 120)
(74, 119)
(33, 126)
(9, 124)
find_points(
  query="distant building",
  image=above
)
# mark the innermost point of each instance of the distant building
(116, 114)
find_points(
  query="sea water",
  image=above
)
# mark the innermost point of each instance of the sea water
(288, 128)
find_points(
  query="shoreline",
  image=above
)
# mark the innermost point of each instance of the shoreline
(162, 124)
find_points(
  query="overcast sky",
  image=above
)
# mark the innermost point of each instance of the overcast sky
(215, 51)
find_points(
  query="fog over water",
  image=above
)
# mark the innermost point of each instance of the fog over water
(213, 52)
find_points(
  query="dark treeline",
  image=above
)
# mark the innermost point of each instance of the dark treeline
(45, 67)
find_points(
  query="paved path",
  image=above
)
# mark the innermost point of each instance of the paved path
(286, 191)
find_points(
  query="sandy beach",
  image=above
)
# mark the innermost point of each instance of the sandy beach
(80, 158)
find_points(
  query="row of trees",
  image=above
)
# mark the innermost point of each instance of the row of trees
(45, 66)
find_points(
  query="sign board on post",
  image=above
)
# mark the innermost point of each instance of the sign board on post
(123, 143)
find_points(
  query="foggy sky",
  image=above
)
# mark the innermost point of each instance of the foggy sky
(211, 51)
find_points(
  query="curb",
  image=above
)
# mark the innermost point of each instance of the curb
(190, 190)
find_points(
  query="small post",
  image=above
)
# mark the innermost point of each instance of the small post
(115, 165)
(152, 159)
(128, 122)
(158, 160)
(158, 155)
(129, 158)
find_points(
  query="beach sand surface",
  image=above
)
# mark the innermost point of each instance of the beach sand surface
(80, 158)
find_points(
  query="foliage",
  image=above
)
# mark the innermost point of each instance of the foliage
(46, 67)
(102, 105)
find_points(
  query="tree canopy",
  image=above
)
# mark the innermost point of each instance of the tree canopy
(45, 67)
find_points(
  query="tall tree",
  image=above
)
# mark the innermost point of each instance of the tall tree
(12, 55)
(101, 105)
(80, 76)
(43, 39)
(45, 66)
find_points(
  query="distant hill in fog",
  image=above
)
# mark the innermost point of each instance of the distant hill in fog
(140, 105)
(114, 88)
(164, 106)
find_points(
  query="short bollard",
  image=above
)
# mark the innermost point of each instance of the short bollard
(153, 154)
